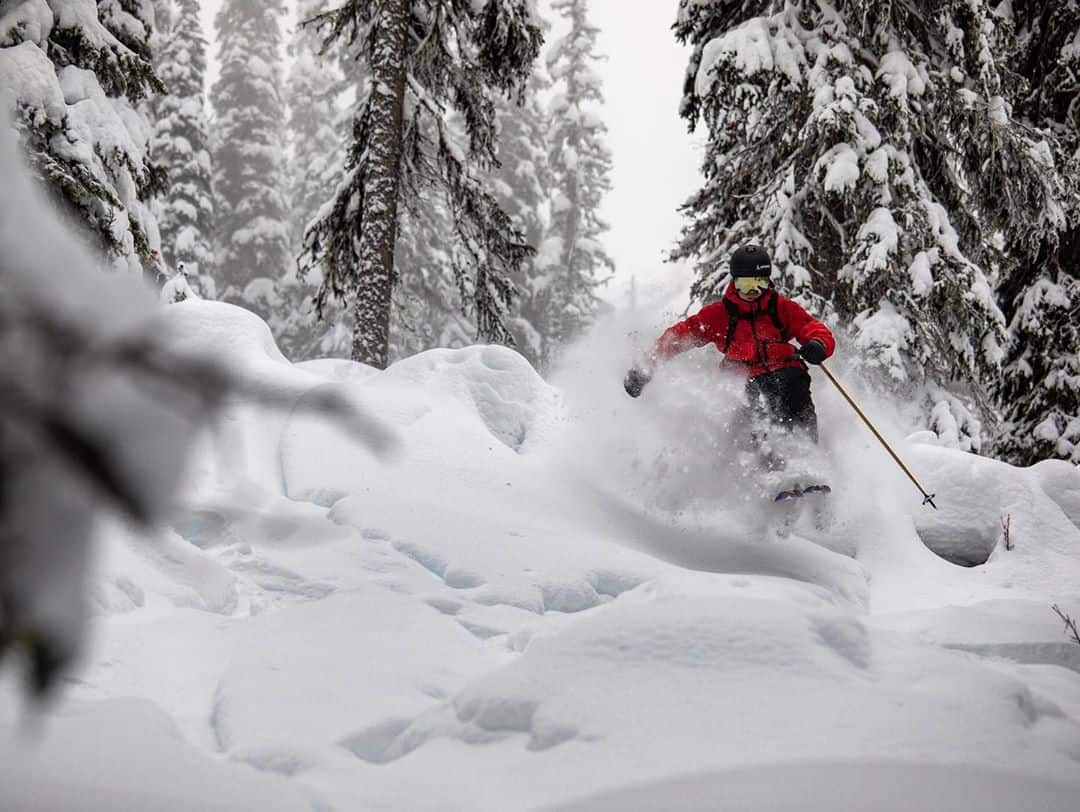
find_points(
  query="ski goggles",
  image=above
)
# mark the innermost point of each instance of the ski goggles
(751, 284)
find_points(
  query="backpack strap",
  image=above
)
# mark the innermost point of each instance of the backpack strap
(773, 309)
(734, 314)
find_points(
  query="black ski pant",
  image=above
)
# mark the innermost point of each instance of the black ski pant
(784, 397)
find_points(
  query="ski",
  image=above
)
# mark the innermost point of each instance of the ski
(797, 492)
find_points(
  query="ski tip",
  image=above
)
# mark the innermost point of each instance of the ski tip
(793, 493)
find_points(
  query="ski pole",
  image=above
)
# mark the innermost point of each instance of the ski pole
(928, 498)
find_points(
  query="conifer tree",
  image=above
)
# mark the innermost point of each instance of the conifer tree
(425, 56)
(181, 146)
(523, 185)
(316, 156)
(873, 149)
(163, 20)
(76, 81)
(315, 85)
(573, 260)
(429, 305)
(1039, 389)
(252, 244)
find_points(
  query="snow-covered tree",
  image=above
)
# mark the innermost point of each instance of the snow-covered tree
(1039, 389)
(523, 186)
(163, 20)
(252, 245)
(76, 72)
(181, 146)
(315, 86)
(428, 302)
(573, 262)
(873, 148)
(425, 56)
(316, 150)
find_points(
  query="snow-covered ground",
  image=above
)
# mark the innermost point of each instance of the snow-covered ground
(551, 596)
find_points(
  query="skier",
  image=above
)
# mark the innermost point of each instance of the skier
(752, 326)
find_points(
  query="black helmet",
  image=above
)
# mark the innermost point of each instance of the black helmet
(750, 260)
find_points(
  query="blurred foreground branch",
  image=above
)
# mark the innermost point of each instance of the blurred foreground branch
(99, 407)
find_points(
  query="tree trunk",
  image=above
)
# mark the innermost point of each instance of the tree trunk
(378, 223)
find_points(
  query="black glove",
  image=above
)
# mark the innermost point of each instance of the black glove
(635, 381)
(813, 351)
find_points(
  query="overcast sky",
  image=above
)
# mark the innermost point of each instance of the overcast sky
(656, 161)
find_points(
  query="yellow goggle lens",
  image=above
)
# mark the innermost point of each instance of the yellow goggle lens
(748, 284)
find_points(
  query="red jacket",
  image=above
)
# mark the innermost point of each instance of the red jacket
(758, 345)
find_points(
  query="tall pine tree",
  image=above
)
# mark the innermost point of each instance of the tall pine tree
(523, 186)
(873, 148)
(314, 92)
(77, 80)
(181, 145)
(573, 261)
(252, 245)
(428, 303)
(1039, 390)
(425, 56)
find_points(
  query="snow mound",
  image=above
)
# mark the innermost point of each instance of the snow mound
(448, 405)
(497, 383)
(976, 495)
(248, 441)
(230, 333)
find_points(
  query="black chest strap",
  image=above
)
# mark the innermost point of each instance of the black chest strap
(735, 313)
